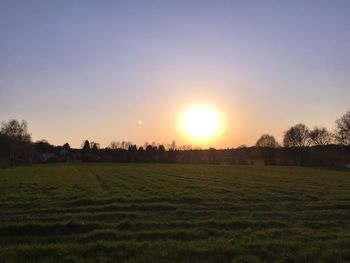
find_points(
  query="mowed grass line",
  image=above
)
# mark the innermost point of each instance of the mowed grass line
(173, 213)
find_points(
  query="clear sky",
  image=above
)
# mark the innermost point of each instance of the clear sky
(84, 69)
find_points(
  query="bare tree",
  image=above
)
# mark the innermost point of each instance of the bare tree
(172, 146)
(185, 147)
(123, 145)
(320, 136)
(113, 145)
(296, 136)
(17, 140)
(267, 140)
(16, 130)
(342, 134)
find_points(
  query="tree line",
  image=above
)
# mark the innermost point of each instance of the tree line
(300, 146)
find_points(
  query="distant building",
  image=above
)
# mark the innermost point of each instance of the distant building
(63, 151)
(45, 157)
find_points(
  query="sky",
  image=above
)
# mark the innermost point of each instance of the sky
(77, 70)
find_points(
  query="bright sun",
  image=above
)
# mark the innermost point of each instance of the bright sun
(201, 121)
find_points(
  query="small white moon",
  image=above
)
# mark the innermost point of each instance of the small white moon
(139, 122)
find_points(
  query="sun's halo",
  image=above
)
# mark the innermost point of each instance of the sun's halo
(201, 121)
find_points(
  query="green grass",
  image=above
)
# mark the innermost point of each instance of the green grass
(173, 213)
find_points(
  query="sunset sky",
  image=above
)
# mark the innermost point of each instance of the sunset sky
(92, 70)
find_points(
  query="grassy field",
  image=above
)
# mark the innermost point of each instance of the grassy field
(173, 213)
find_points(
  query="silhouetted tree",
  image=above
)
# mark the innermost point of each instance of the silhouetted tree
(343, 129)
(172, 146)
(125, 145)
(172, 152)
(43, 147)
(66, 146)
(132, 153)
(161, 153)
(268, 144)
(185, 147)
(212, 155)
(94, 146)
(16, 130)
(151, 153)
(267, 140)
(296, 136)
(18, 141)
(161, 148)
(114, 145)
(86, 147)
(320, 136)
(5, 147)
